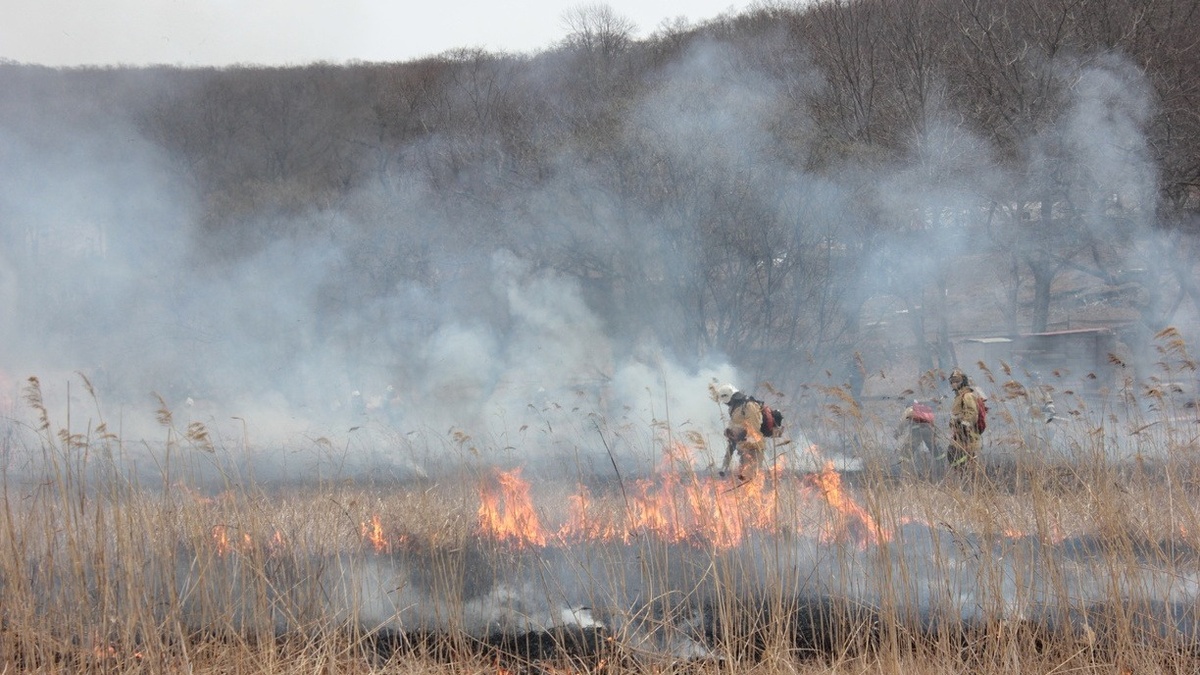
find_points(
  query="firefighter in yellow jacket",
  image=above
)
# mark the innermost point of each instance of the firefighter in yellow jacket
(964, 446)
(743, 434)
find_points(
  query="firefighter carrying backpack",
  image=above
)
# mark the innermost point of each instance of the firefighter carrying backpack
(772, 420)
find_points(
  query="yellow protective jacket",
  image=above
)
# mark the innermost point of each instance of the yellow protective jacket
(747, 417)
(744, 432)
(964, 414)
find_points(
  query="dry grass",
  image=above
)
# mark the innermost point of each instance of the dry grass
(99, 573)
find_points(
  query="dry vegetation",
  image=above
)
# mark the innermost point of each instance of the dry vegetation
(1055, 559)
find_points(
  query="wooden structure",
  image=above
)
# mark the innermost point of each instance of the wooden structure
(1077, 358)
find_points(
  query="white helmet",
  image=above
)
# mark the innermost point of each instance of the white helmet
(725, 392)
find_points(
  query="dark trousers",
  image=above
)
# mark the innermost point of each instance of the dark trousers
(919, 434)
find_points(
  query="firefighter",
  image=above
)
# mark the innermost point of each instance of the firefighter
(916, 426)
(743, 433)
(963, 452)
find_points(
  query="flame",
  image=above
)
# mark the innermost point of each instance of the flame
(853, 519)
(678, 507)
(675, 506)
(373, 532)
(221, 541)
(585, 522)
(277, 544)
(220, 536)
(506, 512)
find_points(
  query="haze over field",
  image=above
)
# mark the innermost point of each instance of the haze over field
(523, 308)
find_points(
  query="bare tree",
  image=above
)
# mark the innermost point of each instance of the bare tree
(598, 30)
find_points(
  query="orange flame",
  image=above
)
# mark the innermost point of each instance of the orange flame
(585, 523)
(677, 506)
(373, 532)
(277, 545)
(220, 537)
(680, 506)
(853, 519)
(506, 512)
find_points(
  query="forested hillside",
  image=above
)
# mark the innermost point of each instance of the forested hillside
(768, 190)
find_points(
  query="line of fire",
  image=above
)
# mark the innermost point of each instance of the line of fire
(677, 507)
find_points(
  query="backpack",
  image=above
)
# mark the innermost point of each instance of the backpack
(981, 404)
(772, 423)
(922, 413)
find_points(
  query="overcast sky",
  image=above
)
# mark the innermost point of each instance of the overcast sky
(283, 32)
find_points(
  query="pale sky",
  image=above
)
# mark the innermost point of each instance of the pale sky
(291, 32)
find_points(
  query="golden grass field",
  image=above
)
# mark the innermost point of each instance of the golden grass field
(1069, 560)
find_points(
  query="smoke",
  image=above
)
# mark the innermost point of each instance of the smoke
(1105, 128)
(471, 351)
(103, 279)
(668, 599)
(1079, 198)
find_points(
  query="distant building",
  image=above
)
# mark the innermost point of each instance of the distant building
(1079, 358)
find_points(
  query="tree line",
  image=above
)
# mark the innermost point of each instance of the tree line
(771, 185)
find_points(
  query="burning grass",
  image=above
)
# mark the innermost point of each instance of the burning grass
(1035, 565)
